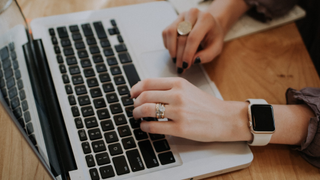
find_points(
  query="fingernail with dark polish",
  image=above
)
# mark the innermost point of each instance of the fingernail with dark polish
(180, 70)
(184, 65)
(197, 60)
(174, 60)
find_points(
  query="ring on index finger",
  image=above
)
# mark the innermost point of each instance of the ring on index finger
(184, 28)
(160, 110)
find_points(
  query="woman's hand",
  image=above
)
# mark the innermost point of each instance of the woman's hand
(191, 113)
(206, 32)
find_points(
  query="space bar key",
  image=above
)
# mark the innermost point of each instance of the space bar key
(131, 74)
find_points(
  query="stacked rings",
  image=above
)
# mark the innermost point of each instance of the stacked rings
(160, 110)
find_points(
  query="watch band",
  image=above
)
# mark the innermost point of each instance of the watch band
(259, 139)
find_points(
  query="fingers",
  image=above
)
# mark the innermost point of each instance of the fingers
(149, 110)
(152, 84)
(153, 97)
(209, 53)
(159, 127)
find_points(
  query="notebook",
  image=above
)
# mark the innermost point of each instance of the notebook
(245, 25)
(66, 88)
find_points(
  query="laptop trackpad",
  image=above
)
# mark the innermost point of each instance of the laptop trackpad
(159, 64)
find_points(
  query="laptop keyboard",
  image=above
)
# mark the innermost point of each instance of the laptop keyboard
(96, 74)
(13, 91)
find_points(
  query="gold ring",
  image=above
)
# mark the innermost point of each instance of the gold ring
(184, 28)
(160, 110)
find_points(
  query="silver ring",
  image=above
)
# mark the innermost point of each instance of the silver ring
(184, 28)
(160, 110)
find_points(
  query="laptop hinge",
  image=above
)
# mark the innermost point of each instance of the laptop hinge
(52, 110)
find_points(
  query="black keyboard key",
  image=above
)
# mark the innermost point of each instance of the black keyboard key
(135, 123)
(91, 41)
(119, 80)
(86, 148)
(76, 37)
(65, 42)
(148, 154)
(108, 87)
(22, 95)
(107, 125)
(74, 28)
(104, 77)
(20, 84)
(94, 50)
(96, 92)
(24, 105)
(29, 128)
(77, 79)
(57, 49)
(84, 100)
(90, 161)
(78, 123)
(33, 139)
(106, 172)
(62, 31)
(4, 53)
(124, 58)
(3, 83)
(13, 92)
(94, 174)
(119, 119)
(62, 68)
(111, 98)
(13, 55)
(156, 136)
(100, 30)
(74, 70)
(87, 29)
(6, 63)
(27, 116)
(82, 135)
(124, 131)
(120, 39)
(17, 73)
(131, 74)
(113, 22)
(71, 60)
(120, 47)
(121, 165)
(51, 32)
(80, 90)
(103, 114)
(135, 160)
(68, 51)
(166, 158)
(86, 63)
(112, 61)
(91, 122)
(128, 143)
(94, 134)
(99, 103)
(105, 43)
(89, 72)
(116, 108)
(65, 78)
(115, 70)
(101, 68)
(10, 82)
(97, 58)
(139, 134)
(79, 45)
(75, 111)
(8, 73)
(115, 149)
(126, 101)
(108, 52)
(82, 54)
(68, 89)
(111, 137)
(15, 64)
(102, 159)
(161, 145)
(15, 102)
(93, 82)
(129, 111)
(123, 90)
(59, 59)
(98, 146)
(17, 113)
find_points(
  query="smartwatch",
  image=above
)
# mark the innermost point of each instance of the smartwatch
(261, 121)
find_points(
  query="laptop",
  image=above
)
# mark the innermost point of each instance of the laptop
(66, 85)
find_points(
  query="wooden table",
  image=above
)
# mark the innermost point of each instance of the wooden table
(261, 65)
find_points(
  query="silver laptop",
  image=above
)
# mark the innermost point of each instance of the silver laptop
(66, 86)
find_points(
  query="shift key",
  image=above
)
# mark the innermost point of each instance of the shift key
(148, 154)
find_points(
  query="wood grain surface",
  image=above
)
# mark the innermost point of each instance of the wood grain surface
(262, 65)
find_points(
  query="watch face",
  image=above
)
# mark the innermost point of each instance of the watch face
(262, 117)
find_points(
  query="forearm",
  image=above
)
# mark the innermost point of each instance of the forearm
(227, 12)
(291, 123)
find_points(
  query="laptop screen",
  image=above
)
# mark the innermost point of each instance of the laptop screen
(19, 86)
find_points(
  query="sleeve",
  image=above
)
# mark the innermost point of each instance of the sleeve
(266, 10)
(310, 148)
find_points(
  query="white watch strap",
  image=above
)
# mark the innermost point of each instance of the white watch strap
(259, 139)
